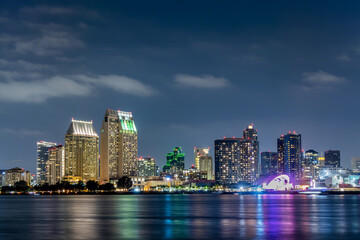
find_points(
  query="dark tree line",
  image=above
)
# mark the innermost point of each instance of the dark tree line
(91, 186)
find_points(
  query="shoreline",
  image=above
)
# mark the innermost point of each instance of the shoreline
(330, 192)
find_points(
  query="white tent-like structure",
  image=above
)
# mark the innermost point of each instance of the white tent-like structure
(279, 183)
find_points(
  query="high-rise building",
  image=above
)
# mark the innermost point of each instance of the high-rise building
(280, 154)
(290, 154)
(269, 163)
(311, 165)
(206, 165)
(200, 152)
(250, 133)
(321, 161)
(332, 158)
(15, 175)
(118, 146)
(146, 167)
(175, 161)
(42, 158)
(81, 152)
(55, 167)
(2, 177)
(355, 164)
(234, 161)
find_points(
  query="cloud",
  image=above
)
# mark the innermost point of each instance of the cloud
(39, 91)
(120, 84)
(56, 11)
(49, 44)
(321, 77)
(23, 65)
(50, 10)
(344, 58)
(205, 81)
(321, 80)
(22, 132)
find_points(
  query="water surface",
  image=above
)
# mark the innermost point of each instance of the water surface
(180, 217)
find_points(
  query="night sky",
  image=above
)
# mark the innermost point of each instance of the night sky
(189, 71)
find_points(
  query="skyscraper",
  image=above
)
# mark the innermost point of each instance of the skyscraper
(81, 151)
(332, 158)
(252, 134)
(56, 165)
(118, 145)
(200, 152)
(234, 161)
(269, 163)
(206, 164)
(311, 165)
(146, 167)
(290, 154)
(280, 154)
(42, 158)
(175, 161)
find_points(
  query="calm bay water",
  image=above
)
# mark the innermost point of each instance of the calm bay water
(180, 217)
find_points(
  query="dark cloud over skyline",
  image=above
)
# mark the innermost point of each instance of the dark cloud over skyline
(190, 72)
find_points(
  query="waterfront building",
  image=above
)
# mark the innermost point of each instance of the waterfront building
(290, 154)
(280, 154)
(81, 152)
(175, 161)
(269, 163)
(329, 171)
(332, 158)
(250, 133)
(157, 171)
(146, 167)
(355, 164)
(55, 167)
(321, 161)
(118, 146)
(15, 175)
(311, 165)
(2, 177)
(42, 158)
(191, 174)
(206, 165)
(235, 161)
(200, 152)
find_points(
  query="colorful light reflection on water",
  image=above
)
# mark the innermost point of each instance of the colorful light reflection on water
(179, 216)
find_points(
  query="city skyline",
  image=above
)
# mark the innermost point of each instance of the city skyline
(185, 73)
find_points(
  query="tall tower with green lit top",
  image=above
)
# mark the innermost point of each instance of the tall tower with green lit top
(118, 146)
(175, 161)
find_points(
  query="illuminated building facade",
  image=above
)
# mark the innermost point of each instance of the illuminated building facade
(55, 167)
(290, 154)
(234, 161)
(332, 158)
(311, 165)
(42, 158)
(269, 163)
(200, 152)
(280, 154)
(81, 151)
(118, 146)
(175, 161)
(355, 164)
(146, 167)
(2, 177)
(15, 175)
(206, 165)
(250, 133)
